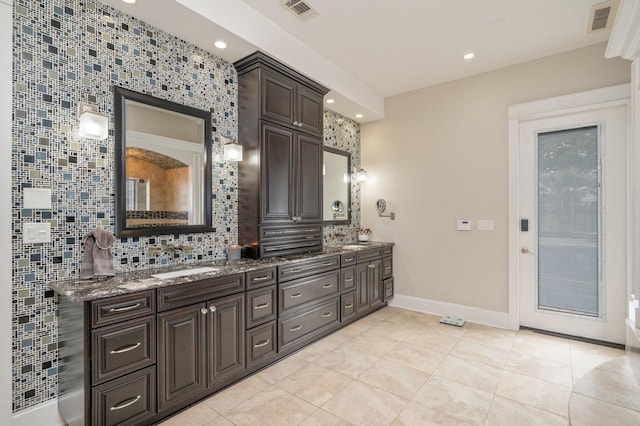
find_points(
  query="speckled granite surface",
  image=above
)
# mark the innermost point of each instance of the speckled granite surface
(128, 282)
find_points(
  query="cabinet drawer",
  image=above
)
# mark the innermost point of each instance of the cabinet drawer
(119, 308)
(261, 278)
(348, 259)
(261, 344)
(387, 251)
(304, 324)
(128, 400)
(199, 291)
(122, 348)
(261, 306)
(296, 294)
(387, 267)
(370, 254)
(387, 285)
(308, 267)
(348, 279)
(294, 246)
(278, 232)
(347, 306)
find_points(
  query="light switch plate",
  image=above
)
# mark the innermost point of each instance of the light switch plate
(36, 232)
(36, 198)
(485, 225)
(463, 225)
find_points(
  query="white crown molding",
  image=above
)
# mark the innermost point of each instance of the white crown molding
(625, 36)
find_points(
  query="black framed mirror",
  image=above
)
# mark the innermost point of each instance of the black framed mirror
(336, 186)
(163, 166)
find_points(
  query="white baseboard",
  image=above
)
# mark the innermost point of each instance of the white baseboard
(468, 313)
(45, 414)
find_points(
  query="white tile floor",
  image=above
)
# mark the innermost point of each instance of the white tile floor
(405, 368)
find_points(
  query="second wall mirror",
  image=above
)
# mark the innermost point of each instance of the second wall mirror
(336, 184)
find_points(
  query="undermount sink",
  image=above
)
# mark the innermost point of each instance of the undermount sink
(352, 246)
(184, 273)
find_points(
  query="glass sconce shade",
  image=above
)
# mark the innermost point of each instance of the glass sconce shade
(93, 126)
(232, 152)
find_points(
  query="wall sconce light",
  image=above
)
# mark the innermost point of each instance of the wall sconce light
(362, 175)
(232, 150)
(93, 125)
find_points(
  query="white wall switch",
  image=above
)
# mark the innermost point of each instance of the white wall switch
(36, 232)
(485, 225)
(463, 225)
(36, 198)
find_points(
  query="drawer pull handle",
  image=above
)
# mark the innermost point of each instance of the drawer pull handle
(327, 264)
(327, 315)
(266, 277)
(308, 230)
(296, 327)
(350, 305)
(348, 279)
(264, 305)
(125, 349)
(296, 295)
(261, 344)
(125, 308)
(293, 271)
(310, 244)
(276, 232)
(348, 259)
(123, 404)
(327, 285)
(310, 237)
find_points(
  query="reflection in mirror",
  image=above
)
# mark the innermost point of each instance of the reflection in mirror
(336, 186)
(164, 166)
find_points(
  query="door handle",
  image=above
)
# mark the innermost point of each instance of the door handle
(525, 250)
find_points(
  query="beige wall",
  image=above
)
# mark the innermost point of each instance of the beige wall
(440, 154)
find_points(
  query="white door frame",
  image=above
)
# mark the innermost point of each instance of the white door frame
(544, 108)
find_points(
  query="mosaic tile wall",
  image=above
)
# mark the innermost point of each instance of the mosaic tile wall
(343, 133)
(69, 51)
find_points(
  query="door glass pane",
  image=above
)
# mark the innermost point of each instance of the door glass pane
(568, 221)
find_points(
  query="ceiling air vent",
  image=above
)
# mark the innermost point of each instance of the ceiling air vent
(301, 8)
(602, 15)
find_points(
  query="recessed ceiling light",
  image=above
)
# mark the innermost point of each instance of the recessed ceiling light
(220, 44)
(359, 115)
(129, 1)
(330, 101)
(469, 55)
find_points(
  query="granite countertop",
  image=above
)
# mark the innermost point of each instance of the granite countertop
(78, 290)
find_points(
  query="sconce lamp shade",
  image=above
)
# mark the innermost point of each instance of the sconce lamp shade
(362, 175)
(232, 152)
(93, 126)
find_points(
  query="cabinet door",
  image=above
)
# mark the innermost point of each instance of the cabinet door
(277, 173)
(181, 354)
(278, 98)
(375, 283)
(225, 337)
(310, 110)
(309, 179)
(362, 288)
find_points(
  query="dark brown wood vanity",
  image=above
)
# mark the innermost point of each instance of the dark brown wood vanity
(138, 357)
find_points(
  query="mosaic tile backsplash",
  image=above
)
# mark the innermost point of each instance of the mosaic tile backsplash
(70, 51)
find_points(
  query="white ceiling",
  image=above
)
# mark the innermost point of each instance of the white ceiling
(366, 50)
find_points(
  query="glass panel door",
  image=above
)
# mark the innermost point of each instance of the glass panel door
(569, 221)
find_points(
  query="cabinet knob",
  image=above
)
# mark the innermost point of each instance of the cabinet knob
(295, 123)
(299, 124)
(204, 311)
(212, 308)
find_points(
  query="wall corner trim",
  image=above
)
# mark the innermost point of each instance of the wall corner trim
(625, 36)
(469, 313)
(42, 414)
